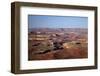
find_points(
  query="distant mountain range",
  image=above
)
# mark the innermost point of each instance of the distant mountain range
(84, 30)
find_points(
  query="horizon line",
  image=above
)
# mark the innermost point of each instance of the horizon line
(59, 28)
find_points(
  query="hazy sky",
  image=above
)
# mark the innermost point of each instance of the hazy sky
(45, 21)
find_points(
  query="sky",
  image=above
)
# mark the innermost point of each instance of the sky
(47, 21)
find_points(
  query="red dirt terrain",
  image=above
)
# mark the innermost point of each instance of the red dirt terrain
(49, 44)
